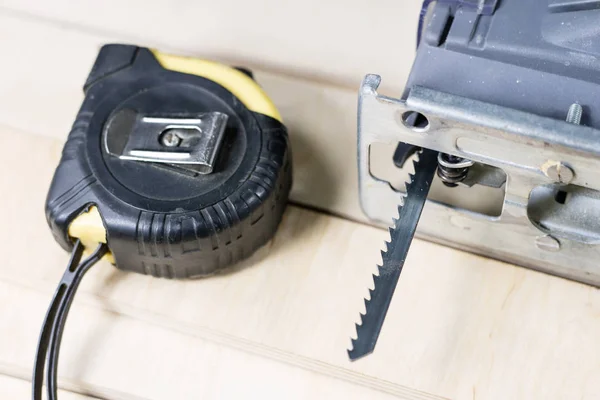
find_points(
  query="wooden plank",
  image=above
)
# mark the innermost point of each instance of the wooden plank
(15, 388)
(460, 325)
(40, 92)
(109, 355)
(334, 41)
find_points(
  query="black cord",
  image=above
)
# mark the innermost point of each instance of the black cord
(54, 323)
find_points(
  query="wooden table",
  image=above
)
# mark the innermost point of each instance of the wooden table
(460, 326)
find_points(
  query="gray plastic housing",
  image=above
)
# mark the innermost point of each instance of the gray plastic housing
(538, 56)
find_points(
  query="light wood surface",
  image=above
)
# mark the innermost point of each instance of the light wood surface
(280, 324)
(15, 388)
(334, 41)
(460, 326)
(44, 100)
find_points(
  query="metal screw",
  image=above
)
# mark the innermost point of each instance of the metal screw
(548, 243)
(560, 172)
(170, 139)
(575, 114)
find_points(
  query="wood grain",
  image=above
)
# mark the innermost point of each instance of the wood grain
(334, 41)
(321, 118)
(15, 388)
(460, 326)
(279, 325)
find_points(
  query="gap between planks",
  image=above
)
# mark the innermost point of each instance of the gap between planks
(112, 36)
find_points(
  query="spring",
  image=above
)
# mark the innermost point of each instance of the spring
(452, 169)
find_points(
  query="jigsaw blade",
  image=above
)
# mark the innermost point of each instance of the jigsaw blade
(393, 257)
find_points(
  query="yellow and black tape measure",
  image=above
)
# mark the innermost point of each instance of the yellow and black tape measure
(181, 165)
(175, 167)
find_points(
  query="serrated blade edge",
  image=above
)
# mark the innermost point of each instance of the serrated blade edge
(401, 235)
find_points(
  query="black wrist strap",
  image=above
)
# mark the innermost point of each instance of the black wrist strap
(54, 323)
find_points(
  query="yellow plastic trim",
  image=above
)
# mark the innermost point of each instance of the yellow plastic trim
(89, 229)
(241, 85)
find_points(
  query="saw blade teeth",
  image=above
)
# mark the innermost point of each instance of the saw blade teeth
(383, 253)
(409, 182)
(354, 353)
(394, 255)
(384, 257)
(367, 302)
(387, 246)
(375, 280)
(352, 347)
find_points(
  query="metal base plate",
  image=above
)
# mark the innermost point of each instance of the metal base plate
(562, 240)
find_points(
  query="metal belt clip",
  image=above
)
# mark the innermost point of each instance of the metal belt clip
(189, 143)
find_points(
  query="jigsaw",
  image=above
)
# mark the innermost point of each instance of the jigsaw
(498, 135)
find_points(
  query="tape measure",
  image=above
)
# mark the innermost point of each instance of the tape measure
(175, 167)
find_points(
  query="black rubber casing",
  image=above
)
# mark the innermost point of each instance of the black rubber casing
(158, 220)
